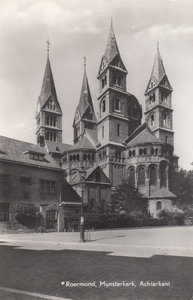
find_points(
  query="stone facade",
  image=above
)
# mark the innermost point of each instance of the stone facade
(29, 177)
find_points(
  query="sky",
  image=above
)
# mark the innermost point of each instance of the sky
(80, 27)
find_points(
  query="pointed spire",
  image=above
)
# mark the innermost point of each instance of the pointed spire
(85, 96)
(158, 71)
(48, 86)
(111, 48)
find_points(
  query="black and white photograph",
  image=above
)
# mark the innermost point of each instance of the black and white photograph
(96, 149)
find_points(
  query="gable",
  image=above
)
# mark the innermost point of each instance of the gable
(118, 63)
(151, 85)
(97, 175)
(89, 114)
(52, 105)
(103, 65)
(165, 83)
(77, 117)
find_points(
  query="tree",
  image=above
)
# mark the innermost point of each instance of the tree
(182, 187)
(129, 197)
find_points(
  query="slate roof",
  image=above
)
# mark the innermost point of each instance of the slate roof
(17, 151)
(48, 87)
(76, 177)
(84, 143)
(158, 70)
(162, 193)
(92, 135)
(143, 136)
(69, 194)
(85, 99)
(111, 47)
(57, 147)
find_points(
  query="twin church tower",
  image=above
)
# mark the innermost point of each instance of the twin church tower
(113, 139)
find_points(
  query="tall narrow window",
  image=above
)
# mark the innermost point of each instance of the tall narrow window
(152, 120)
(165, 119)
(153, 175)
(103, 106)
(152, 151)
(166, 139)
(104, 81)
(131, 176)
(158, 205)
(141, 176)
(118, 129)
(117, 104)
(163, 175)
(103, 132)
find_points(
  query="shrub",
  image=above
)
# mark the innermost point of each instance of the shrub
(174, 215)
(28, 216)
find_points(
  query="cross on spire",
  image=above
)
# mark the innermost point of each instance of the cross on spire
(157, 45)
(48, 46)
(111, 22)
(85, 63)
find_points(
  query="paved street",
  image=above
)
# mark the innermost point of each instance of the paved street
(53, 265)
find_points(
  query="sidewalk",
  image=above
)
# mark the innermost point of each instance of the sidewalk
(141, 242)
(147, 255)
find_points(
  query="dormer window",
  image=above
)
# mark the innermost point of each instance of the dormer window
(35, 155)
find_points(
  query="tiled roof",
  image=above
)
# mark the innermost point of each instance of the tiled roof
(17, 151)
(162, 193)
(144, 136)
(84, 143)
(57, 147)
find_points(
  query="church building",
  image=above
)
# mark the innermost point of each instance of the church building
(111, 143)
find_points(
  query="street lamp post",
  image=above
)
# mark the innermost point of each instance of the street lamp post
(82, 174)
